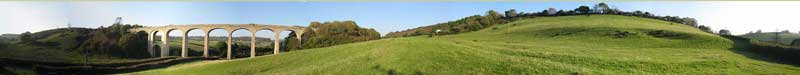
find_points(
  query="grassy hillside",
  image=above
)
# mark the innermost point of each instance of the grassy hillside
(597, 44)
(55, 45)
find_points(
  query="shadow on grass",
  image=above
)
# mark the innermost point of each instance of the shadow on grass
(90, 70)
(744, 47)
(3, 71)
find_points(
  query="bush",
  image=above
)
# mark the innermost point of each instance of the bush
(26, 37)
(3, 42)
(334, 33)
(781, 53)
(667, 34)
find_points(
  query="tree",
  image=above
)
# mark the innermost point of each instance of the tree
(724, 32)
(314, 24)
(602, 8)
(335, 33)
(511, 13)
(689, 21)
(638, 13)
(133, 44)
(221, 47)
(795, 42)
(583, 9)
(758, 31)
(785, 31)
(494, 14)
(26, 37)
(705, 28)
(491, 18)
(3, 42)
(291, 42)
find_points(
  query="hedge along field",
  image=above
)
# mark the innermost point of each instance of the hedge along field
(596, 44)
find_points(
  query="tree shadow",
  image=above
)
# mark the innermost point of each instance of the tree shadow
(743, 45)
(3, 71)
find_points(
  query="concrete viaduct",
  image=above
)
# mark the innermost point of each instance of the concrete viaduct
(207, 28)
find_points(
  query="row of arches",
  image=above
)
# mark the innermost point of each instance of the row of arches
(159, 38)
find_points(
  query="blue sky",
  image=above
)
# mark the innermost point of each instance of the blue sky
(740, 17)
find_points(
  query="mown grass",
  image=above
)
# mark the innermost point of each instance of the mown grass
(597, 44)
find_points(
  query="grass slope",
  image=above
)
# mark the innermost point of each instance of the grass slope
(597, 44)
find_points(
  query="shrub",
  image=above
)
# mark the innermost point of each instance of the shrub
(332, 33)
(779, 52)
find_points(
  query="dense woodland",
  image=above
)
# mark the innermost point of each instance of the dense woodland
(333, 33)
(491, 18)
(114, 41)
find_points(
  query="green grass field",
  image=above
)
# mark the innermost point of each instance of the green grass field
(597, 44)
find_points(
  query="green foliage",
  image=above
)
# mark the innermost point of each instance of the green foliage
(221, 48)
(511, 13)
(115, 41)
(291, 42)
(133, 44)
(603, 8)
(3, 42)
(333, 33)
(75, 44)
(467, 24)
(220, 45)
(26, 37)
(724, 32)
(705, 29)
(583, 9)
(795, 42)
(78, 44)
(773, 51)
(490, 19)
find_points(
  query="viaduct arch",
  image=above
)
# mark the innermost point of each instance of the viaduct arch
(206, 29)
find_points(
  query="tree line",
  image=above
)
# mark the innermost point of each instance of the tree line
(491, 18)
(116, 41)
(324, 34)
(112, 41)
